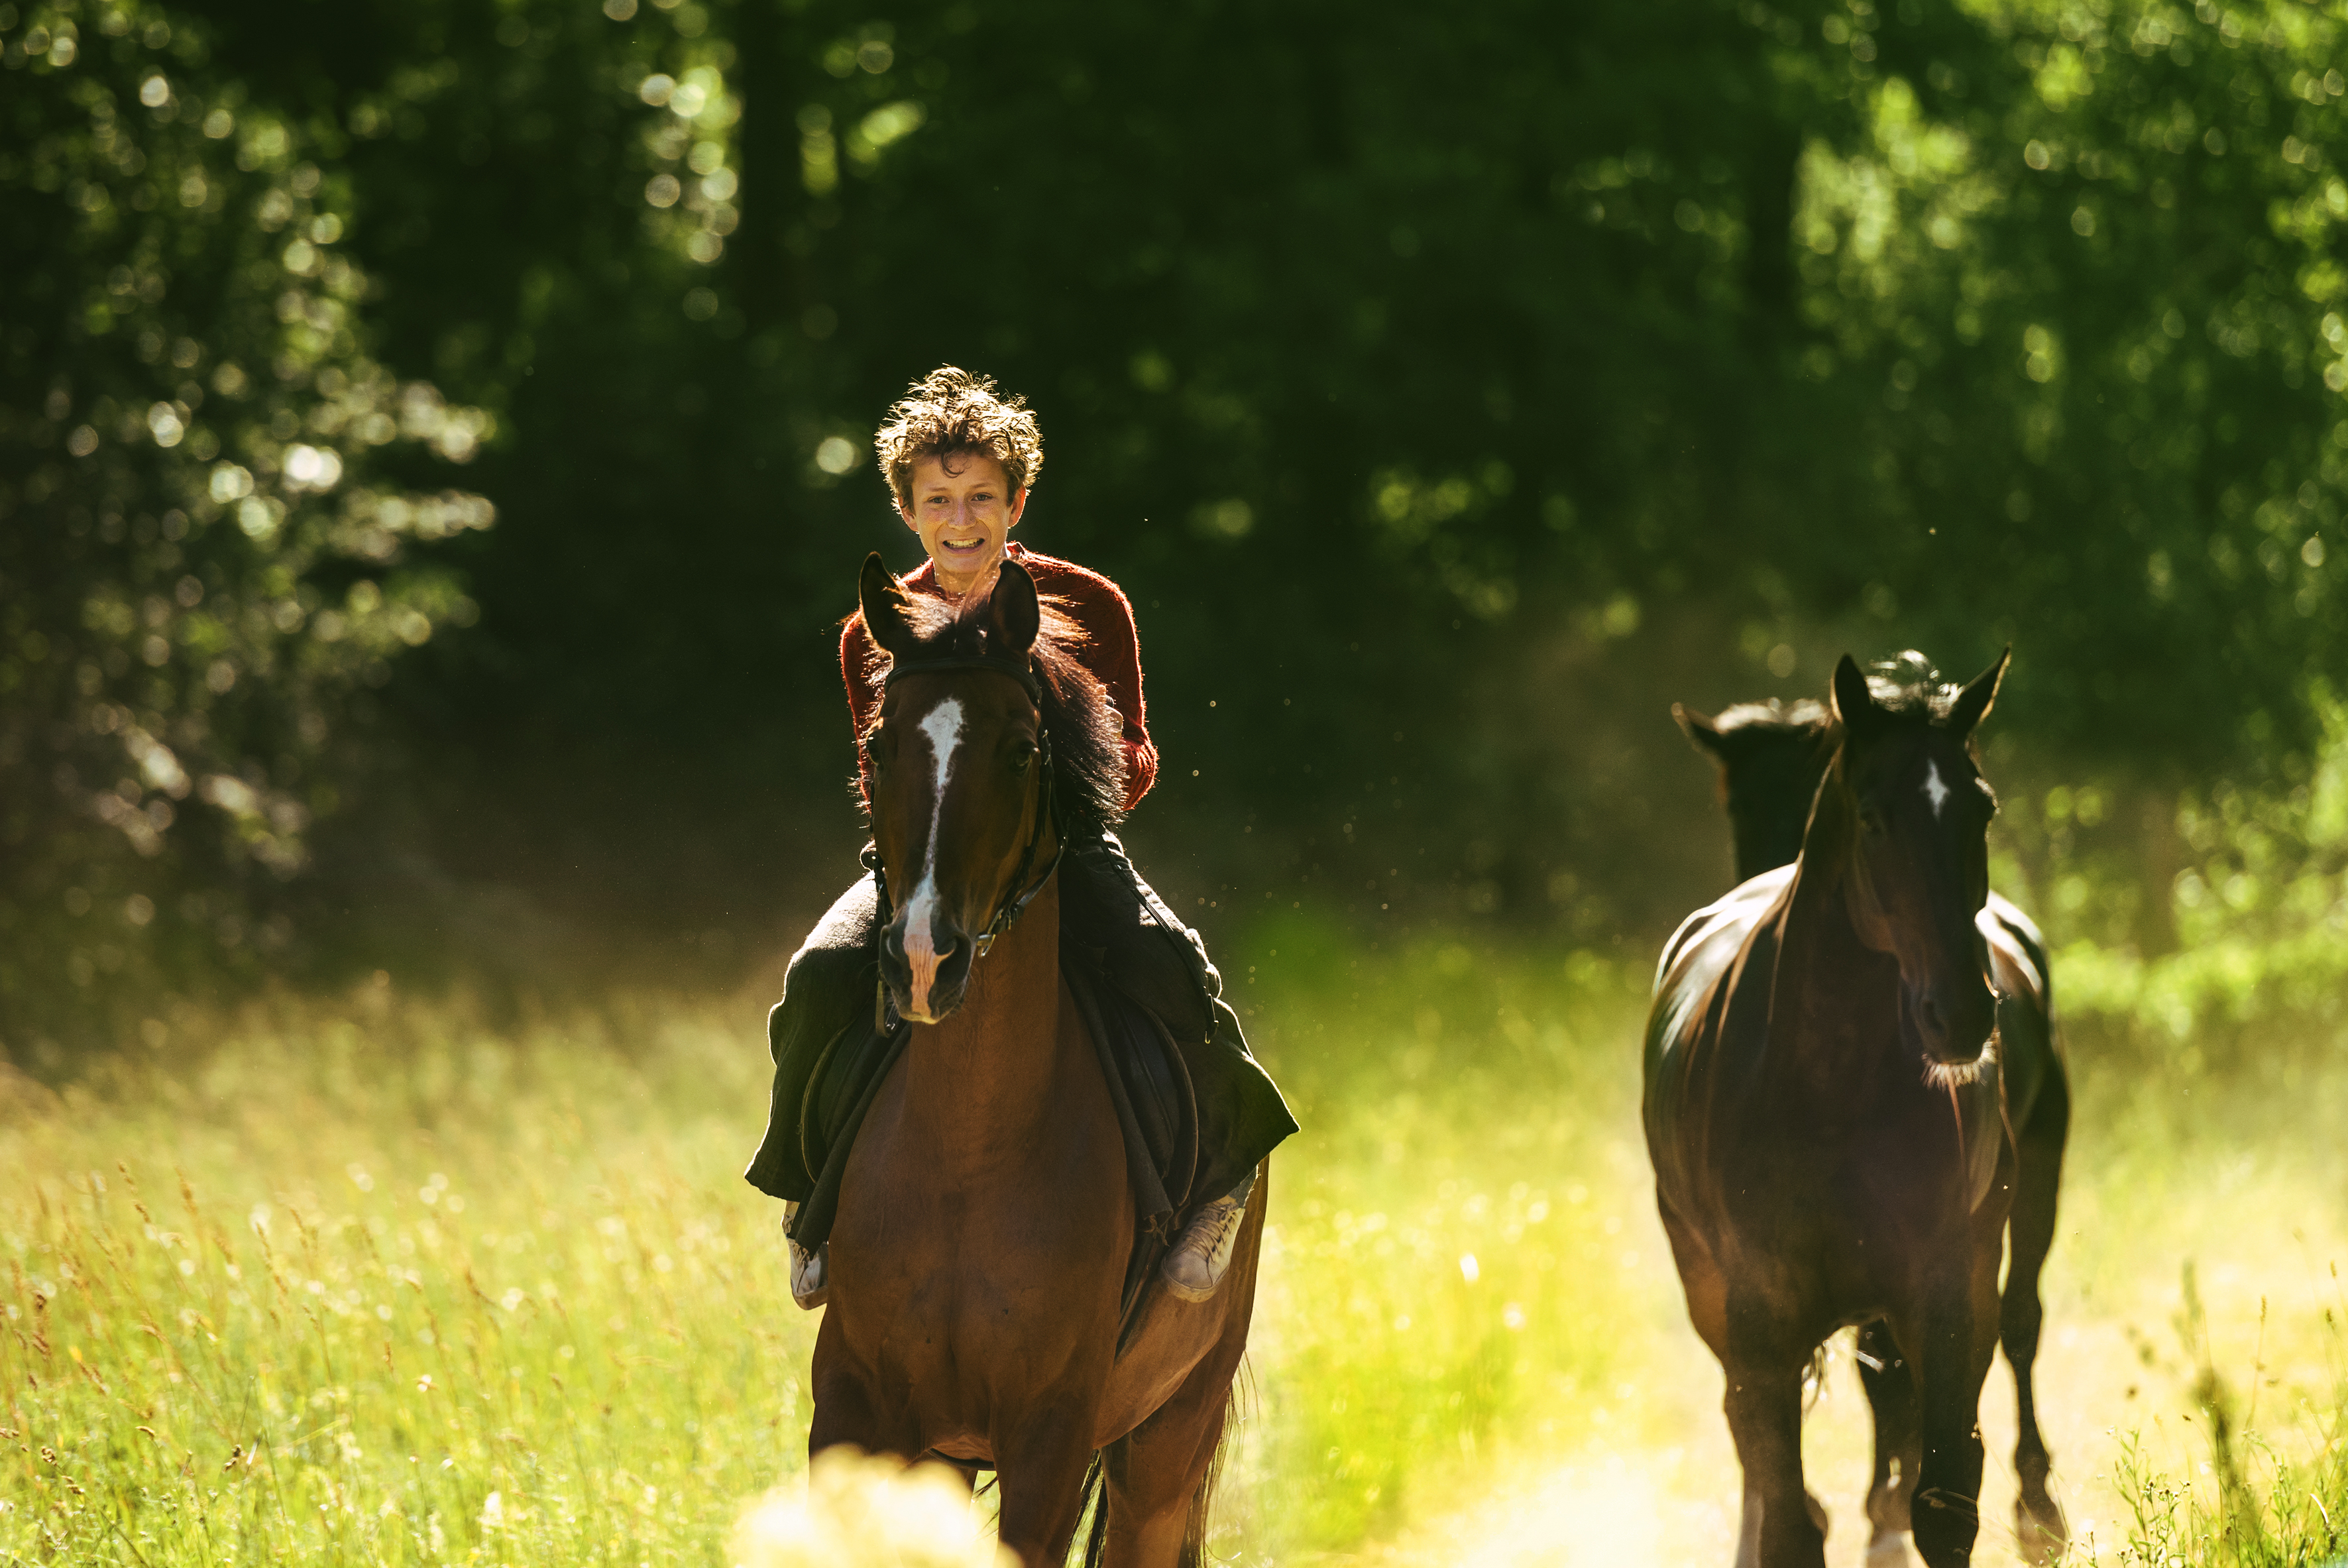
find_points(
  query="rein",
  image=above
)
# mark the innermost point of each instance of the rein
(1016, 901)
(1021, 892)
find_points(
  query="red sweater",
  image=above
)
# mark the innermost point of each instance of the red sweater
(1113, 655)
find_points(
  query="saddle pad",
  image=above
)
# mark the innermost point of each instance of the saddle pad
(1148, 1084)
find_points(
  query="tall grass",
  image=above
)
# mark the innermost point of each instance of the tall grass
(371, 1281)
(386, 1288)
(2265, 1496)
(375, 1279)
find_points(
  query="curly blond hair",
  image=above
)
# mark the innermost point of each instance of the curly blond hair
(950, 410)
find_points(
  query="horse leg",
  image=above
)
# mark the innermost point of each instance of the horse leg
(2038, 1521)
(1890, 1385)
(1160, 1474)
(845, 1409)
(1040, 1467)
(1952, 1352)
(1763, 1404)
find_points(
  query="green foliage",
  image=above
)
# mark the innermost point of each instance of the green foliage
(2076, 283)
(2256, 912)
(1378, 353)
(1373, 358)
(205, 535)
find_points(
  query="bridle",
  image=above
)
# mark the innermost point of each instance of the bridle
(1021, 892)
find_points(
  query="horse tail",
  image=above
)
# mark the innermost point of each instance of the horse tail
(1096, 1538)
(1202, 1501)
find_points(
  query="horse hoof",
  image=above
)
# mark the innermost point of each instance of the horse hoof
(1890, 1552)
(2042, 1533)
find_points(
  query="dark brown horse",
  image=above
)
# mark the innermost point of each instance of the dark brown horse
(1771, 761)
(986, 1222)
(1822, 1110)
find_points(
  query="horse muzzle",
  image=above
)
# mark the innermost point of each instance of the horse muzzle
(1950, 1023)
(926, 967)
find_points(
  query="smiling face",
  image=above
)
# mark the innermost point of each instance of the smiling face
(962, 506)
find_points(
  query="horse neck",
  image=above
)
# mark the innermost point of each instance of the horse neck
(986, 1074)
(1823, 1012)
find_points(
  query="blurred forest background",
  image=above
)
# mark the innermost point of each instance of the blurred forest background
(434, 456)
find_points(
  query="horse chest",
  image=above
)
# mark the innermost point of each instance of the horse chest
(967, 1259)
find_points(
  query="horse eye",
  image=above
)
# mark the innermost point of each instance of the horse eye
(1022, 754)
(1872, 820)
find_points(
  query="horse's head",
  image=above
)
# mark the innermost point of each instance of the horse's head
(1770, 758)
(1915, 812)
(958, 798)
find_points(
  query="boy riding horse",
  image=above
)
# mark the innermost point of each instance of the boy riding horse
(960, 460)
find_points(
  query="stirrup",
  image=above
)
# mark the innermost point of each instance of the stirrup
(1194, 1270)
(811, 1271)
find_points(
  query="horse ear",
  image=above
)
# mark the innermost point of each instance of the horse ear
(1854, 705)
(1017, 616)
(882, 599)
(1700, 729)
(1972, 703)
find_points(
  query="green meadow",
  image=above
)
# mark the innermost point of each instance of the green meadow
(369, 1280)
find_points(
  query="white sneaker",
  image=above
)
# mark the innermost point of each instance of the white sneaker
(1195, 1268)
(811, 1271)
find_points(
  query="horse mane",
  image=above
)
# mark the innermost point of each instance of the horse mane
(1909, 685)
(1087, 735)
(1805, 718)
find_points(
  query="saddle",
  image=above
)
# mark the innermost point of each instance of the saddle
(1130, 1014)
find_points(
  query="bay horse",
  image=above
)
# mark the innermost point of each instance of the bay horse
(985, 1218)
(1822, 1110)
(1772, 760)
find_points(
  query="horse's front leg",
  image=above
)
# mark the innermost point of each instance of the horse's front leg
(1890, 1385)
(1041, 1460)
(1954, 1341)
(847, 1410)
(1763, 1404)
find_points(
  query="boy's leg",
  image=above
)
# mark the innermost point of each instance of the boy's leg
(829, 989)
(1163, 965)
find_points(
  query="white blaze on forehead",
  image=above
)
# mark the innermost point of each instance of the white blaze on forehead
(944, 726)
(1934, 790)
